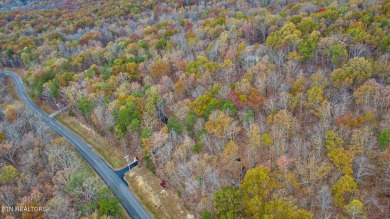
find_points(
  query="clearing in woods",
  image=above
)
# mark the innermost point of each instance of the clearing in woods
(160, 202)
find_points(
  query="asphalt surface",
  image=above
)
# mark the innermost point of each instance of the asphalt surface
(121, 172)
(118, 186)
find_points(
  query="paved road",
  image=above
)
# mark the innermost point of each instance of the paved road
(120, 189)
(121, 172)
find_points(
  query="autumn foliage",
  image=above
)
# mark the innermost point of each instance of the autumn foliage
(283, 107)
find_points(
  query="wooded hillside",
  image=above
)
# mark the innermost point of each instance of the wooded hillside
(38, 169)
(276, 109)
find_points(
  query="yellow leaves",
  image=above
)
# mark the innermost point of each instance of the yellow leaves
(359, 139)
(307, 25)
(255, 207)
(218, 124)
(228, 63)
(284, 208)
(200, 103)
(255, 187)
(266, 140)
(342, 158)
(241, 48)
(2, 137)
(288, 34)
(294, 56)
(231, 150)
(183, 150)
(227, 202)
(299, 86)
(283, 120)
(343, 188)
(148, 28)
(147, 145)
(254, 136)
(224, 37)
(370, 118)
(132, 67)
(356, 208)
(315, 96)
(358, 25)
(8, 174)
(319, 80)
(364, 93)
(315, 33)
(10, 113)
(319, 170)
(244, 86)
(179, 88)
(356, 71)
(332, 140)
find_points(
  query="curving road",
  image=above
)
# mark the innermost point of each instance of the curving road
(118, 186)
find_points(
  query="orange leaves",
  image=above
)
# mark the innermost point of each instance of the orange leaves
(283, 162)
(181, 65)
(160, 68)
(89, 37)
(133, 71)
(115, 70)
(10, 113)
(349, 121)
(90, 89)
(254, 99)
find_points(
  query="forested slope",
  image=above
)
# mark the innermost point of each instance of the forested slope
(275, 108)
(40, 174)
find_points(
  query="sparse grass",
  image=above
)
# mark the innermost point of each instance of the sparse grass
(110, 153)
(45, 108)
(18, 71)
(160, 203)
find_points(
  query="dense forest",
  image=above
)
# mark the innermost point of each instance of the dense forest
(38, 169)
(275, 108)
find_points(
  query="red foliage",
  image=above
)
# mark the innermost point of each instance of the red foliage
(283, 162)
(254, 99)
(188, 26)
(233, 96)
(90, 89)
(320, 10)
(163, 183)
